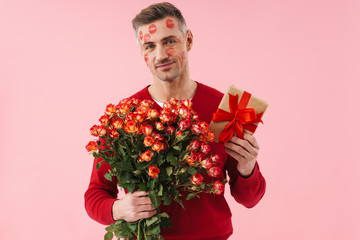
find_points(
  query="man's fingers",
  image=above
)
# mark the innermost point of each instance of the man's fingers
(252, 140)
(140, 193)
(146, 214)
(145, 207)
(238, 149)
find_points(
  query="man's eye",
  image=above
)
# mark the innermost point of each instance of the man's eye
(169, 42)
(149, 47)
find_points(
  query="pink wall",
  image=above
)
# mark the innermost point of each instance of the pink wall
(62, 62)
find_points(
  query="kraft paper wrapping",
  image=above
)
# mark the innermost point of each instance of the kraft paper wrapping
(256, 103)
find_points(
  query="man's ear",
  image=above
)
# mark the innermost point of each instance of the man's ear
(189, 40)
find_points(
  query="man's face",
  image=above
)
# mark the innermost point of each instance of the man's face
(164, 48)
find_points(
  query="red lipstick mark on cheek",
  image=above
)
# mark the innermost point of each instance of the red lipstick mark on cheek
(141, 35)
(170, 51)
(170, 23)
(146, 58)
(146, 37)
(152, 28)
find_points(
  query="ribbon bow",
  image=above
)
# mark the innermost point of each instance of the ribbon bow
(239, 116)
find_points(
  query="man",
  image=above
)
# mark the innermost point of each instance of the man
(164, 42)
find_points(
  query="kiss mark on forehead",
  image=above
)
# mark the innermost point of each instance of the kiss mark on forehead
(146, 37)
(170, 23)
(152, 28)
(170, 51)
(141, 35)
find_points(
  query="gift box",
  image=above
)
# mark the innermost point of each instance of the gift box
(239, 112)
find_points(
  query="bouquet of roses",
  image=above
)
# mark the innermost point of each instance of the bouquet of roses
(165, 153)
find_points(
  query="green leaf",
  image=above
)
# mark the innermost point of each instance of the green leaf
(152, 183)
(143, 187)
(191, 171)
(110, 228)
(124, 165)
(108, 236)
(176, 148)
(156, 230)
(167, 200)
(132, 226)
(163, 215)
(98, 165)
(169, 170)
(190, 196)
(172, 159)
(131, 187)
(154, 199)
(160, 193)
(165, 223)
(152, 220)
(108, 176)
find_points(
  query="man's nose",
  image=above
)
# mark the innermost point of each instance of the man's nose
(161, 54)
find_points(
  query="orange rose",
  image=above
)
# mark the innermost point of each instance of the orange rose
(146, 156)
(214, 171)
(193, 145)
(195, 128)
(216, 158)
(152, 114)
(218, 187)
(139, 118)
(92, 146)
(159, 126)
(184, 112)
(197, 178)
(165, 117)
(153, 171)
(210, 136)
(158, 146)
(205, 148)
(206, 163)
(94, 131)
(114, 133)
(169, 130)
(142, 110)
(117, 123)
(179, 134)
(146, 129)
(168, 106)
(131, 126)
(188, 103)
(184, 124)
(147, 103)
(192, 159)
(148, 141)
(124, 108)
(204, 127)
(110, 109)
(104, 120)
(101, 130)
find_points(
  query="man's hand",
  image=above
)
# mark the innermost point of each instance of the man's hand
(133, 206)
(245, 151)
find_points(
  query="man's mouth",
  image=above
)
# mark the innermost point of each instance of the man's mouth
(164, 66)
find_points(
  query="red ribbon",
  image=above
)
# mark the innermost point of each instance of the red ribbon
(239, 116)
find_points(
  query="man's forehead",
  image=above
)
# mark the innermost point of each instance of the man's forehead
(167, 23)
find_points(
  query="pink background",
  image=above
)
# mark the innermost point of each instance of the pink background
(62, 62)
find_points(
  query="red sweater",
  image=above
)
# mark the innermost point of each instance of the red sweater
(206, 218)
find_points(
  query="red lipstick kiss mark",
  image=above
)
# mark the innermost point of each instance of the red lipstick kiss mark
(146, 37)
(170, 51)
(152, 28)
(170, 23)
(146, 58)
(141, 35)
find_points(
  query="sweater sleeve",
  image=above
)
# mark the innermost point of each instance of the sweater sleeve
(101, 194)
(246, 191)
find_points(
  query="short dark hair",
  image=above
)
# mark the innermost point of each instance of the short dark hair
(156, 12)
